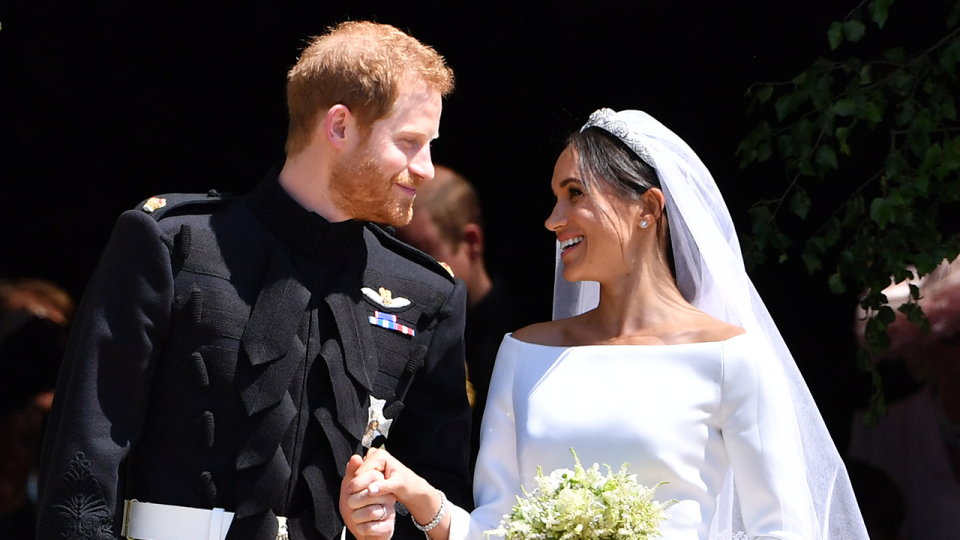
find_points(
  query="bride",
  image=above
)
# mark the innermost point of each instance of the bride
(671, 364)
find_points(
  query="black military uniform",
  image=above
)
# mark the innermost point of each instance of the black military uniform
(225, 355)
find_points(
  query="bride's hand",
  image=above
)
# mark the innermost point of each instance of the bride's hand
(369, 516)
(421, 499)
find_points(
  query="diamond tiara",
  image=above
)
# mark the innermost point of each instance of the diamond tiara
(606, 119)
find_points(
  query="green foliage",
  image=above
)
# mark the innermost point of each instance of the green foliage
(888, 218)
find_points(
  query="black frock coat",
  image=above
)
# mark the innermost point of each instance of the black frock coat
(224, 356)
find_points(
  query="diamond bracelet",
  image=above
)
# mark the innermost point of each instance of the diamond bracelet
(436, 519)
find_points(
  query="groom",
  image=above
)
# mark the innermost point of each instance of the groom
(231, 354)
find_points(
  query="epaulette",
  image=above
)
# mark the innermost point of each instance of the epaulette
(394, 244)
(162, 205)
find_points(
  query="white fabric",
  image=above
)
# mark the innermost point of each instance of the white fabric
(216, 524)
(677, 413)
(711, 276)
(149, 521)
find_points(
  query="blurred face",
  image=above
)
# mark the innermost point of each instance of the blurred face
(595, 230)
(422, 233)
(377, 181)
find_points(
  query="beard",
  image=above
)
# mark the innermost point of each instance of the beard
(361, 190)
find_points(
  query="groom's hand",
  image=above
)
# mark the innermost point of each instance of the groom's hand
(421, 499)
(369, 516)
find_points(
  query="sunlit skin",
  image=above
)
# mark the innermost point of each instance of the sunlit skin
(602, 224)
(348, 173)
(392, 163)
(639, 305)
(639, 300)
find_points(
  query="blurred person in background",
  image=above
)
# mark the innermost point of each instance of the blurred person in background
(918, 442)
(880, 500)
(34, 315)
(447, 224)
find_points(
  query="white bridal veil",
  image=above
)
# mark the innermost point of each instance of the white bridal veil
(711, 276)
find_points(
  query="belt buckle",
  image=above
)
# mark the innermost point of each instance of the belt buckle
(126, 518)
(282, 533)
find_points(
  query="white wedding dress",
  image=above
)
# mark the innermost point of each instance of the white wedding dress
(680, 414)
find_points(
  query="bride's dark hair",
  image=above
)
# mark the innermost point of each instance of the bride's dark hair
(605, 161)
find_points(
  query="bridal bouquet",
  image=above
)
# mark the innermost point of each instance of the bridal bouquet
(584, 504)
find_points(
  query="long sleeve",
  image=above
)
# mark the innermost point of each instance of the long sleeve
(497, 477)
(432, 436)
(104, 384)
(761, 438)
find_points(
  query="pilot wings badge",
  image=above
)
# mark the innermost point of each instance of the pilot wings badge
(385, 298)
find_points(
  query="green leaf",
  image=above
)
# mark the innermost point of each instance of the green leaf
(765, 93)
(932, 157)
(924, 122)
(951, 155)
(853, 30)
(863, 360)
(800, 203)
(949, 57)
(780, 241)
(915, 316)
(760, 217)
(949, 109)
(902, 82)
(894, 55)
(845, 107)
(788, 103)
(835, 35)
(879, 10)
(832, 234)
(764, 151)
(800, 79)
(787, 146)
(922, 185)
(894, 165)
(836, 284)
(842, 133)
(811, 261)
(866, 74)
(826, 157)
(886, 315)
(871, 112)
(881, 212)
(817, 245)
(906, 113)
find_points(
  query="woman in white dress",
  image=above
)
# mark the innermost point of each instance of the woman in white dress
(671, 363)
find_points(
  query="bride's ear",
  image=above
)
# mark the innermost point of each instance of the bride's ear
(652, 203)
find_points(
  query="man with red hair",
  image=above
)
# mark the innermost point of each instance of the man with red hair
(231, 353)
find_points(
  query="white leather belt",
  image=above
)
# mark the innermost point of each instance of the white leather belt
(149, 521)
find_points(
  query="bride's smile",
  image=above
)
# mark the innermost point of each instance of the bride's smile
(593, 225)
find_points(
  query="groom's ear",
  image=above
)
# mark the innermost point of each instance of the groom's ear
(338, 126)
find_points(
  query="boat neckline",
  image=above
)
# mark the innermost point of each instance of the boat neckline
(720, 342)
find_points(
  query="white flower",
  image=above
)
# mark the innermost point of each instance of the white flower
(584, 504)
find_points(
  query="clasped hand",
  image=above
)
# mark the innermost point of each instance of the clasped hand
(368, 494)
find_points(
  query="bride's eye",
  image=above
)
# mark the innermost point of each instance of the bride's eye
(575, 192)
